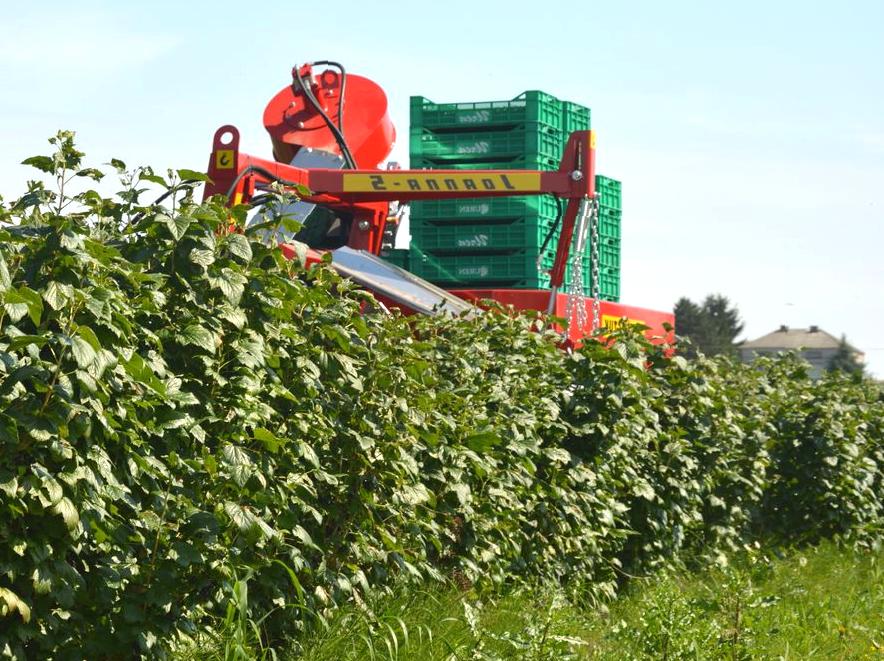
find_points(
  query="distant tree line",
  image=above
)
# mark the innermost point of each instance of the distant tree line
(714, 325)
(845, 359)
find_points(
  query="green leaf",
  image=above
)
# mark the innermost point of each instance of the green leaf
(241, 517)
(93, 173)
(462, 491)
(56, 294)
(186, 174)
(71, 241)
(239, 247)
(5, 279)
(141, 372)
(65, 508)
(9, 485)
(482, 441)
(16, 311)
(20, 341)
(83, 352)
(177, 226)
(235, 316)
(231, 284)
(42, 163)
(268, 439)
(14, 604)
(30, 299)
(89, 335)
(309, 453)
(197, 336)
(240, 463)
(290, 224)
(41, 581)
(202, 257)
(154, 179)
(235, 456)
(643, 490)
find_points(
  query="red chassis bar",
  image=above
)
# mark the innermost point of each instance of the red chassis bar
(367, 192)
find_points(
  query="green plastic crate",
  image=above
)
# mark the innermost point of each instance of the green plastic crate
(609, 223)
(517, 269)
(515, 163)
(398, 257)
(477, 232)
(523, 233)
(531, 106)
(609, 284)
(527, 140)
(575, 118)
(610, 193)
(486, 208)
(609, 253)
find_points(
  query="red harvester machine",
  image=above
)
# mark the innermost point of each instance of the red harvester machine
(330, 132)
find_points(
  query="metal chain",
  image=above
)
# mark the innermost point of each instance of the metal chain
(594, 262)
(575, 293)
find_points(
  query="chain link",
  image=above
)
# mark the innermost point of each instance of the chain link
(575, 292)
(594, 262)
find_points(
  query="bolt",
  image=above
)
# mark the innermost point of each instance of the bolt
(300, 125)
(364, 225)
(576, 175)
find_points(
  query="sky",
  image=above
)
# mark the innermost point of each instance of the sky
(749, 136)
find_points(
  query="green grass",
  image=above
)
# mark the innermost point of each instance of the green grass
(822, 603)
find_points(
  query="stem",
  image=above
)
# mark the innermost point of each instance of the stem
(736, 634)
(546, 627)
(156, 543)
(60, 360)
(61, 182)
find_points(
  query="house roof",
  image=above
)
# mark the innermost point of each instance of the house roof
(795, 338)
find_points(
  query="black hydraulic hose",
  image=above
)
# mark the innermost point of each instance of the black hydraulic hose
(339, 67)
(262, 171)
(339, 137)
(183, 182)
(552, 230)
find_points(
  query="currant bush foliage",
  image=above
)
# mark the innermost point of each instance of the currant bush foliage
(182, 407)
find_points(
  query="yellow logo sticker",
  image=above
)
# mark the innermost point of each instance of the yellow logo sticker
(612, 323)
(528, 182)
(592, 139)
(224, 159)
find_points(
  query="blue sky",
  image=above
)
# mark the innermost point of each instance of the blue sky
(749, 136)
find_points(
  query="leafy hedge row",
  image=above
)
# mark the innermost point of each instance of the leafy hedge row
(181, 407)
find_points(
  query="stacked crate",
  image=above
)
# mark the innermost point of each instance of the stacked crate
(396, 256)
(491, 242)
(610, 212)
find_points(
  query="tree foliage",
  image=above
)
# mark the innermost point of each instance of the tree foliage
(845, 359)
(712, 326)
(184, 412)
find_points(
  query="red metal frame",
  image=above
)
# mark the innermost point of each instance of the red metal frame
(611, 314)
(365, 193)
